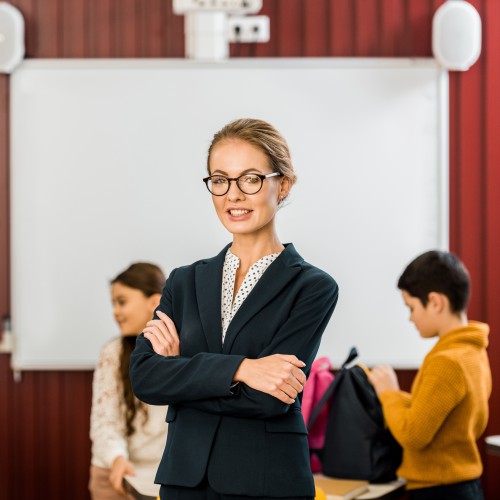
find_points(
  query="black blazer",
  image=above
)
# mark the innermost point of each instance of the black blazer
(247, 442)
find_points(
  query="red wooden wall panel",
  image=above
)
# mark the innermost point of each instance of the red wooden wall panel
(491, 206)
(469, 182)
(315, 30)
(343, 28)
(289, 19)
(418, 27)
(44, 420)
(471, 173)
(127, 20)
(74, 23)
(28, 9)
(393, 28)
(101, 29)
(367, 41)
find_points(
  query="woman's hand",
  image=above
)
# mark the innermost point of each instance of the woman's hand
(163, 335)
(383, 379)
(278, 375)
(121, 467)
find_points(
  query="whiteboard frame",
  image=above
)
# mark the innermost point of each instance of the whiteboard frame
(443, 139)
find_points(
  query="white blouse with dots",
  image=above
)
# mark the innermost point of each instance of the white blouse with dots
(231, 264)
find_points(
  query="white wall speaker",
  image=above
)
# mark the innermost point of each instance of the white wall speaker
(11, 37)
(456, 35)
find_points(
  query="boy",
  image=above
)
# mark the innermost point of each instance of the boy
(438, 424)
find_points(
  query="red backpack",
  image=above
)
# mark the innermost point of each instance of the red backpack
(318, 382)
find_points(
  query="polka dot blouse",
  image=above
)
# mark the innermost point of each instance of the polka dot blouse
(231, 264)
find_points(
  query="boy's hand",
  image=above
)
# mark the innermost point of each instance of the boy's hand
(384, 378)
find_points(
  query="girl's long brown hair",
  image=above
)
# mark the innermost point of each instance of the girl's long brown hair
(149, 279)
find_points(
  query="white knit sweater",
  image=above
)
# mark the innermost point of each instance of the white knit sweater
(107, 420)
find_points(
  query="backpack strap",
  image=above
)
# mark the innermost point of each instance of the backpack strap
(353, 354)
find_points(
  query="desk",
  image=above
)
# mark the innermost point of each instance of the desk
(142, 487)
(386, 491)
(493, 445)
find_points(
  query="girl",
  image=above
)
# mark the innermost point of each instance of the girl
(234, 335)
(125, 432)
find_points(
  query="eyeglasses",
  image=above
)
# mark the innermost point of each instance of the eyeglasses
(219, 185)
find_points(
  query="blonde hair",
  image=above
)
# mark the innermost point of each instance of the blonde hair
(263, 136)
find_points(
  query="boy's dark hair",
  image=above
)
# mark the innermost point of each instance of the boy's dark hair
(437, 271)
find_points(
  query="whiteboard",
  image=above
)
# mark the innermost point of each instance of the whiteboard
(107, 158)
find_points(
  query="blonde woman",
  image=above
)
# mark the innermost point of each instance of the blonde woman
(234, 337)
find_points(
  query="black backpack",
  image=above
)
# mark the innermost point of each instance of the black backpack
(358, 445)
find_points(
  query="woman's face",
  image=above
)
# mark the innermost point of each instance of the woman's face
(131, 308)
(239, 212)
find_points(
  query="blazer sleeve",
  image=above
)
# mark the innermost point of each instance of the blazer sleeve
(179, 380)
(300, 335)
(166, 380)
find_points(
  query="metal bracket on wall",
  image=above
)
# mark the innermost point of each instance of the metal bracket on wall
(7, 340)
(7, 344)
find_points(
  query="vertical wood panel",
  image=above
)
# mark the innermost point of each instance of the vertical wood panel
(343, 28)
(470, 185)
(7, 433)
(51, 420)
(367, 28)
(101, 35)
(49, 32)
(78, 387)
(491, 99)
(153, 21)
(73, 28)
(315, 30)
(29, 12)
(174, 31)
(394, 35)
(141, 29)
(27, 404)
(124, 15)
(419, 28)
(288, 22)
(46, 434)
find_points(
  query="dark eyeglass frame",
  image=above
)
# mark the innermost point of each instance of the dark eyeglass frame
(262, 177)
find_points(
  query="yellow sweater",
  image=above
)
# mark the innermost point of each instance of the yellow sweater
(439, 423)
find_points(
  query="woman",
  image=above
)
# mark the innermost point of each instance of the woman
(125, 433)
(234, 335)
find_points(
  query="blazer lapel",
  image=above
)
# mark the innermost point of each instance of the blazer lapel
(208, 283)
(275, 278)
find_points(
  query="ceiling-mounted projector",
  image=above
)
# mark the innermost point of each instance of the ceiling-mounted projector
(229, 6)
